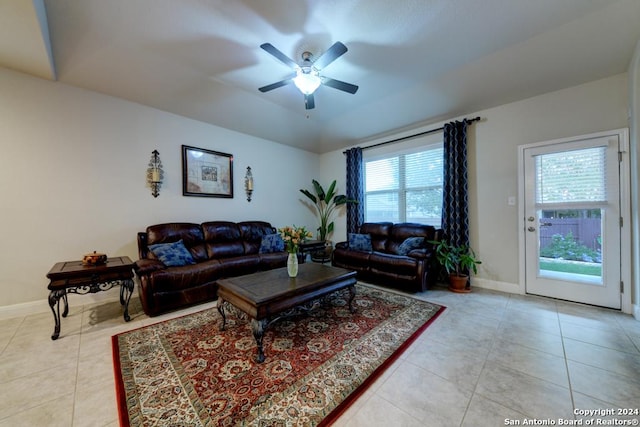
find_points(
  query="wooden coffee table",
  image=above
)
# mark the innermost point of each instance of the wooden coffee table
(266, 296)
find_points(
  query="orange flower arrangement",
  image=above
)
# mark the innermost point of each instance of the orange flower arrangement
(293, 236)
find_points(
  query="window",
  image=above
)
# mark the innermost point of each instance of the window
(405, 187)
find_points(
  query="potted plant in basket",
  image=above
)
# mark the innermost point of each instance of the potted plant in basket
(457, 260)
(325, 203)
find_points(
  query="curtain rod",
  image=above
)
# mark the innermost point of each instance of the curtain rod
(475, 119)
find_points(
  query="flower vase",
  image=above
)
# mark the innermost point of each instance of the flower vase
(292, 264)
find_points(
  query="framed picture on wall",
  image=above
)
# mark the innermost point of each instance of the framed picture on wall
(206, 173)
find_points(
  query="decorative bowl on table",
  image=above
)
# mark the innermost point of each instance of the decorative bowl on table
(94, 258)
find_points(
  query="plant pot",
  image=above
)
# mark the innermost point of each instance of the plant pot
(323, 255)
(458, 283)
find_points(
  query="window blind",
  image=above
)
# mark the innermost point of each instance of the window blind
(405, 187)
(574, 176)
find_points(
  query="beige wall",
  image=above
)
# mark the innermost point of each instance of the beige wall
(72, 178)
(589, 108)
(493, 149)
(73, 164)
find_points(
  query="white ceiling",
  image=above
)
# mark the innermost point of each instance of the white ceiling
(416, 61)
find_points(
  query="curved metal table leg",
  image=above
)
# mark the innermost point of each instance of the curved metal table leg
(258, 327)
(122, 289)
(220, 304)
(66, 302)
(54, 300)
(126, 290)
(352, 295)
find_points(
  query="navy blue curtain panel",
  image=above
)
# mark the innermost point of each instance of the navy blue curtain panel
(455, 205)
(355, 189)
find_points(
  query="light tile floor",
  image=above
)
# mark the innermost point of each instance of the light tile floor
(489, 359)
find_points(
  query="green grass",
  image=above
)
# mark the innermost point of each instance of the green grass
(588, 269)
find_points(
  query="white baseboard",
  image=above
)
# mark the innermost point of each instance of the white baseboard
(24, 309)
(512, 288)
(42, 306)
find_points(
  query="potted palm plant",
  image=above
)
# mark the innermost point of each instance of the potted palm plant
(457, 260)
(325, 203)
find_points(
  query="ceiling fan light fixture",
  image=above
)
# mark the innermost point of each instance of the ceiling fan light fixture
(307, 76)
(307, 81)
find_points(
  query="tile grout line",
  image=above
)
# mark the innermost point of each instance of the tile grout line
(493, 344)
(496, 339)
(75, 385)
(566, 366)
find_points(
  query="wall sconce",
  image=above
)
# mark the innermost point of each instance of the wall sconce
(248, 183)
(155, 173)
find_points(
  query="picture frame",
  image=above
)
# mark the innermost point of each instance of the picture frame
(206, 173)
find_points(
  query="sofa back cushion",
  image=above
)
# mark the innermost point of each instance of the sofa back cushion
(222, 239)
(400, 232)
(379, 232)
(190, 234)
(252, 232)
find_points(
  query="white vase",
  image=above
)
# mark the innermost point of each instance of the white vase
(292, 264)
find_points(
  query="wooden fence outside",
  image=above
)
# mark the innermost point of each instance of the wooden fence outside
(585, 231)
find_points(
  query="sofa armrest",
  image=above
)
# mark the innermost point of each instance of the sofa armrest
(421, 253)
(143, 250)
(147, 266)
(342, 245)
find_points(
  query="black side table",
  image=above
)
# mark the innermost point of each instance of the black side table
(308, 247)
(73, 277)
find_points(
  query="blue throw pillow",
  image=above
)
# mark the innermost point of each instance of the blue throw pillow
(172, 254)
(360, 242)
(410, 244)
(271, 243)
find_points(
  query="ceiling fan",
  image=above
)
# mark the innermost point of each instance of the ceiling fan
(307, 76)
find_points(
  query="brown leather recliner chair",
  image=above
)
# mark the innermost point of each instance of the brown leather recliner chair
(391, 261)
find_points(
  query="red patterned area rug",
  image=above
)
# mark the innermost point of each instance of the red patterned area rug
(186, 371)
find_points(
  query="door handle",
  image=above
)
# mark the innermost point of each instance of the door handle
(531, 229)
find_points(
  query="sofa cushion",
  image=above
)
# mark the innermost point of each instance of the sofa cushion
(271, 243)
(222, 239)
(252, 232)
(238, 266)
(360, 242)
(190, 234)
(395, 264)
(185, 277)
(172, 254)
(347, 258)
(409, 244)
(273, 260)
(379, 232)
(402, 231)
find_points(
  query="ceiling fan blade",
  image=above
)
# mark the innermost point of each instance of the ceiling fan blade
(334, 52)
(309, 103)
(276, 85)
(340, 85)
(279, 55)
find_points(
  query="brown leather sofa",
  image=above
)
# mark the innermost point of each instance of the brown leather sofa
(386, 263)
(218, 249)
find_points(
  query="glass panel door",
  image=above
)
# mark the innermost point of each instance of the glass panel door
(572, 229)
